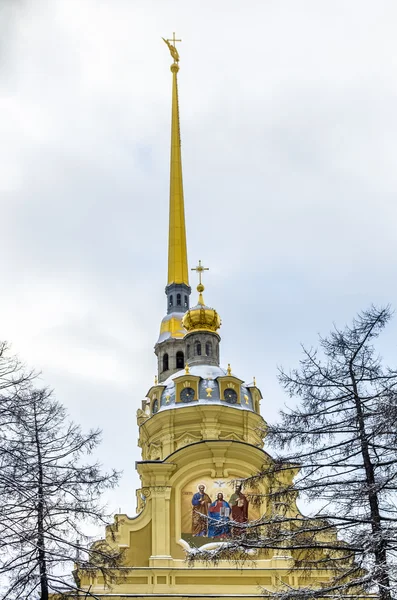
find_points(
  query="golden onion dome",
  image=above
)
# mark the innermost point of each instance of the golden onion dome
(201, 317)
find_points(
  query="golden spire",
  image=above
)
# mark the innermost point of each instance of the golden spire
(177, 252)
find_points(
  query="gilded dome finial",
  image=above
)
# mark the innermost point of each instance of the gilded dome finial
(201, 317)
(200, 288)
(229, 369)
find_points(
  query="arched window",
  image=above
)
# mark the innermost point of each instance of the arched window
(188, 351)
(186, 302)
(180, 361)
(208, 349)
(178, 300)
(165, 362)
(198, 348)
(171, 300)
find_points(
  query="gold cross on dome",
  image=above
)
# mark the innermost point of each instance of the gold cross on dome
(172, 47)
(199, 269)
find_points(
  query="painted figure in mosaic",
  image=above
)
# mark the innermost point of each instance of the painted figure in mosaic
(219, 517)
(239, 503)
(200, 503)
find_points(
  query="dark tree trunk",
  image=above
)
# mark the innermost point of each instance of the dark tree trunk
(380, 553)
(40, 518)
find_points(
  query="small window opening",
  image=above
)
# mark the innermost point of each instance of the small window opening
(171, 303)
(165, 362)
(208, 349)
(198, 348)
(188, 351)
(178, 300)
(186, 302)
(180, 360)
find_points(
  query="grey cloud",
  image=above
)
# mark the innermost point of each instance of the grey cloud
(289, 140)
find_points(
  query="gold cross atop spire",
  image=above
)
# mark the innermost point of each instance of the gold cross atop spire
(172, 48)
(200, 270)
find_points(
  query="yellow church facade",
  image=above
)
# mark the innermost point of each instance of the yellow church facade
(200, 433)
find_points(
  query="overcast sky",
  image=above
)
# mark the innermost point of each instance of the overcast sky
(289, 133)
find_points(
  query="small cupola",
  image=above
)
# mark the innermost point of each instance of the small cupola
(201, 317)
(201, 323)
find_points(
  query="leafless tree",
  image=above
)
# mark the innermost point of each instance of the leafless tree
(341, 433)
(13, 377)
(49, 493)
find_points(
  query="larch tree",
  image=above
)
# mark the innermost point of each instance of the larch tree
(341, 434)
(13, 378)
(50, 492)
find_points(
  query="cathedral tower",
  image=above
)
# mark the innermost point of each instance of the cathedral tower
(200, 434)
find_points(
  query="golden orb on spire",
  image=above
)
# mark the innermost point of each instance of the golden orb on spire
(200, 289)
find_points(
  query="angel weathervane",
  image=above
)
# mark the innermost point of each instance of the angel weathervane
(172, 48)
